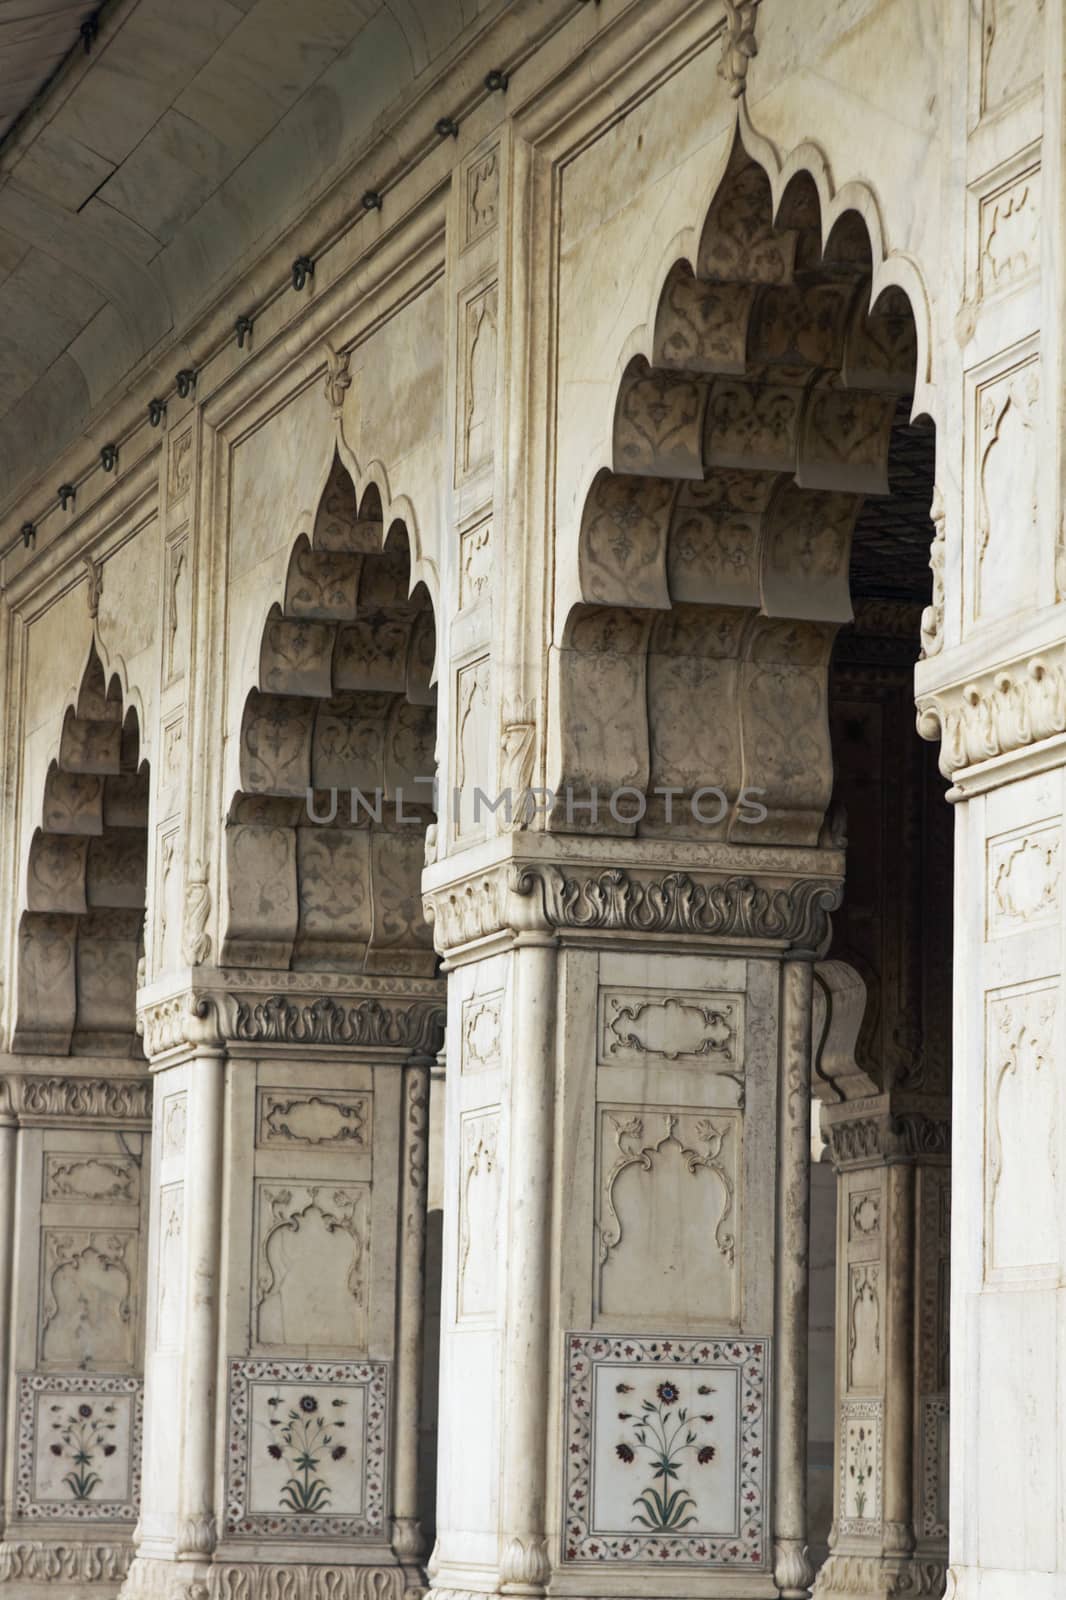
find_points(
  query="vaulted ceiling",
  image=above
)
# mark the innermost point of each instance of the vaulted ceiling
(143, 171)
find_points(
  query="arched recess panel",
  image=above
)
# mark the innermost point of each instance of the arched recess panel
(325, 838)
(81, 932)
(714, 551)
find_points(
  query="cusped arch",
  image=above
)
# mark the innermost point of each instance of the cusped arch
(745, 438)
(325, 834)
(80, 935)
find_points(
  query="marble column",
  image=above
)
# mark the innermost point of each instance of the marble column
(286, 1286)
(792, 1569)
(74, 1184)
(625, 1224)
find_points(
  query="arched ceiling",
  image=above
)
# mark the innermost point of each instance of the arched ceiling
(144, 171)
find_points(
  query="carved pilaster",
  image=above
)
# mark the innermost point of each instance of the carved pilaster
(890, 1531)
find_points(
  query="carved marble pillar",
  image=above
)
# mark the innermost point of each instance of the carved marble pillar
(524, 1563)
(889, 1534)
(627, 1138)
(792, 1569)
(288, 1235)
(74, 1183)
(408, 1540)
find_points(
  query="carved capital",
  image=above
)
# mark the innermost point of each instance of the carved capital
(796, 915)
(214, 1017)
(44, 1099)
(873, 1133)
(1003, 709)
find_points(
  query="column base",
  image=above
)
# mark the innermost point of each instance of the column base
(68, 1568)
(153, 1579)
(856, 1577)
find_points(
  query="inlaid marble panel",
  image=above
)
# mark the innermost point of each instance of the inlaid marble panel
(698, 1404)
(306, 1454)
(79, 1447)
(859, 1506)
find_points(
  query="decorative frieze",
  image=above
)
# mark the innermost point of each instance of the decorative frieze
(289, 1580)
(68, 1561)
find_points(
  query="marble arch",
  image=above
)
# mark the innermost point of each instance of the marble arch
(713, 551)
(325, 837)
(81, 933)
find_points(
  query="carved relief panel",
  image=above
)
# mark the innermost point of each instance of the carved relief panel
(670, 1153)
(667, 1212)
(1023, 879)
(1021, 1132)
(477, 389)
(311, 1256)
(861, 1267)
(479, 1204)
(1006, 554)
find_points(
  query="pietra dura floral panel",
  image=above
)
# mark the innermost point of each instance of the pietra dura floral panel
(665, 1451)
(79, 1447)
(306, 1456)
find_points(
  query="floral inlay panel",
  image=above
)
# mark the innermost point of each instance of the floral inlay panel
(79, 1446)
(306, 1456)
(859, 1508)
(666, 1450)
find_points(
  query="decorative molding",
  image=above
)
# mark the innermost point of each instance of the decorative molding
(480, 1032)
(286, 1581)
(72, 1561)
(632, 1148)
(738, 908)
(109, 1099)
